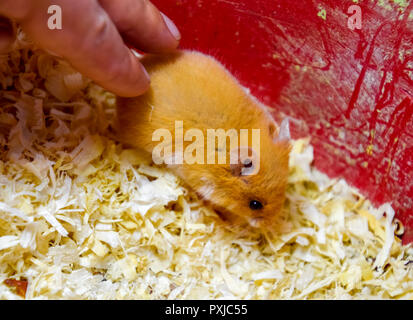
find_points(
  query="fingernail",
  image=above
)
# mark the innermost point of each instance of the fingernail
(145, 80)
(172, 27)
(146, 74)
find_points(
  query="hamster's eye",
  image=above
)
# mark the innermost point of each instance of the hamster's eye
(255, 205)
(247, 163)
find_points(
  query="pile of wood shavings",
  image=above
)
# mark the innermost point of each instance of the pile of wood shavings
(83, 218)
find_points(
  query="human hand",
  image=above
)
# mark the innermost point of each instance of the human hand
(93, 37)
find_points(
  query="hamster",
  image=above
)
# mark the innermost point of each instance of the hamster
(196, 91)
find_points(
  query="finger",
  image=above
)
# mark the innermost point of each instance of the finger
(7, 35)
(143, 25)
(90, 42)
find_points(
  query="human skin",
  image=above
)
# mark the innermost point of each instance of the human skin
(95, 36)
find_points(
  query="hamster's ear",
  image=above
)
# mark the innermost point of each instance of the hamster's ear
(284, 132)
(244, 161)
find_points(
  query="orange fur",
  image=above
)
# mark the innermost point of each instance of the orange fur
(195, 88)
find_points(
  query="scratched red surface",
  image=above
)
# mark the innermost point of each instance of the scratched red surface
(352, 88)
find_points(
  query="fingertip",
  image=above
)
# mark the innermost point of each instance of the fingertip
(141, 86)
(136, 83)
(173, 29)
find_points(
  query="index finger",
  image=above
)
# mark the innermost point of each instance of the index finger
(142, 25)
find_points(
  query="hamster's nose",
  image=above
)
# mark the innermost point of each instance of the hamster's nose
(256, 222)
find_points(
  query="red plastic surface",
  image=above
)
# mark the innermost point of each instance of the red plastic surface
(353, 88)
